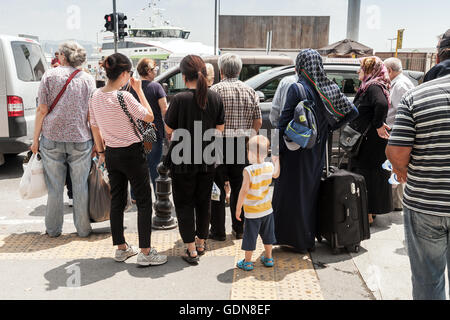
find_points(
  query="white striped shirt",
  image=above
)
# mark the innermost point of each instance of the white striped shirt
(258, 202)
(106, 114)
(423, 123)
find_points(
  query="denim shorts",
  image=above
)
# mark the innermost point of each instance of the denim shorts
(264, 226)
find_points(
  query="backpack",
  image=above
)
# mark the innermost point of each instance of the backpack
(303, 129)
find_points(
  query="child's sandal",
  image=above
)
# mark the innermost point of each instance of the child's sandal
(247, 266)
(268, 262)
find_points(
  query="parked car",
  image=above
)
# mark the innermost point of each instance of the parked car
(22, 65)
(172, 80)
(345, 75)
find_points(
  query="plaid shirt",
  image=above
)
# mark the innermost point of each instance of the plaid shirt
(241, 104)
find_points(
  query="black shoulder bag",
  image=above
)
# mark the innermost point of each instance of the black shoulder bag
(147, 131)
(350, 139)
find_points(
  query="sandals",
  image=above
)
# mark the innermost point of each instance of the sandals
(268, 262)
(190, 259)
(247, 266)
(201, 246)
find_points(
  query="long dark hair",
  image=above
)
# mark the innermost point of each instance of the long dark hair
(115, 64)
(193, 68)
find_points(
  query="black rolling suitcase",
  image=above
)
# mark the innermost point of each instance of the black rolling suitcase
(343, 217)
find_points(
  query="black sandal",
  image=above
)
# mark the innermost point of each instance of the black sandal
(201, 246)
(190, 259)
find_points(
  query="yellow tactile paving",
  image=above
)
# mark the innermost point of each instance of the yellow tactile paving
(292, 278)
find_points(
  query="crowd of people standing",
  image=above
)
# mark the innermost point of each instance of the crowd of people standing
(406, 125)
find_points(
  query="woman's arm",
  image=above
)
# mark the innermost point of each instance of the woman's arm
(41, 113)
(137, 86)
(163, 106)
(99, 144)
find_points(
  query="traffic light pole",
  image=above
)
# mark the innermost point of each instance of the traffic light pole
(115, 26)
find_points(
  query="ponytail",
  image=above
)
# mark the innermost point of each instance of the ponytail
(202, 90)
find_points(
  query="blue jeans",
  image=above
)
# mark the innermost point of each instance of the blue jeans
(153, 160)
(427, 243)
(55, 155)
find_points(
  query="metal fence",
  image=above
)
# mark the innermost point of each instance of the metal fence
(416, 61)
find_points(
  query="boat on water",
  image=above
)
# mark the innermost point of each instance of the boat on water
(151, 36)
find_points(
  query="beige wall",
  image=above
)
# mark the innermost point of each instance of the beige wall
(289, 32)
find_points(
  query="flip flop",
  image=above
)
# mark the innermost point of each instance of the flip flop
(268, 262)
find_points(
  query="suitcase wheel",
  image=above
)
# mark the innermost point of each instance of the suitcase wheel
(354, 248)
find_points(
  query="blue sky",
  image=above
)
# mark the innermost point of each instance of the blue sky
(423, 20)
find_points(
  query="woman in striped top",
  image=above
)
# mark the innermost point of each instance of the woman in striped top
(124, 155)
(257, 202)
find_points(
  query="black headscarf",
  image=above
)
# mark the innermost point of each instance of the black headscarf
(309, 65)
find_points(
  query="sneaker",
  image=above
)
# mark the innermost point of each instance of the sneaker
(152, 259)
(70, 202)
(122, 255)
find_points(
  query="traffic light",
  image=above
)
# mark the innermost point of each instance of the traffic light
(121, 17)
(109, 25)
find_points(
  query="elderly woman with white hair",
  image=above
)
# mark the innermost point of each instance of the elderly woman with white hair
(62, 136)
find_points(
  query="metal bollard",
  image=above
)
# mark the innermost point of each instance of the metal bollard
(163, 207)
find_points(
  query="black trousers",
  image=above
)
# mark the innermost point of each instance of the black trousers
(191, 196)
(231, 170)
(123, 165)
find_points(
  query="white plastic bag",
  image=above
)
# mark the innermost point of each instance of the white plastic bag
(32, 185)
(215, 194)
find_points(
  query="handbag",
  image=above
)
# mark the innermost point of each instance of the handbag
(147, 131)
(350, 140)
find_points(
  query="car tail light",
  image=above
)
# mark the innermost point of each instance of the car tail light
(15, 106)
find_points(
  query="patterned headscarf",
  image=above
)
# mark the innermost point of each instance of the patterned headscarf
(309, 65)
(375, 73)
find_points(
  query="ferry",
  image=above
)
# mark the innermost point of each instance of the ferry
(151, 36)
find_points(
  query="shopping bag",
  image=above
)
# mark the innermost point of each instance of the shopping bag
(32, 185)
(99, 195)
(215, 193)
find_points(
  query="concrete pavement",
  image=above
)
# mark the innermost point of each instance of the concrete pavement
(33, 266)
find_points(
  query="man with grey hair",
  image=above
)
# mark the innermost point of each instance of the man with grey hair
(400, 84)
(242, 115)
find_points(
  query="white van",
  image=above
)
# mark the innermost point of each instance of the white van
(22, 65)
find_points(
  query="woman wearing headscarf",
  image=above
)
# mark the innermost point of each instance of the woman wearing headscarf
(372, 101)
(296, 191)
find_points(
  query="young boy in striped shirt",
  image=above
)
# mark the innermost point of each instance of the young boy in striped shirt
(257, 202)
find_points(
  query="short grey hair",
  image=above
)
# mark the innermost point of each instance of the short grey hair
(230, 65)
(74, 53)
(394, 63)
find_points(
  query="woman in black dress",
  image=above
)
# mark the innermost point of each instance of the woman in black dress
(296, 191)
(372, 100)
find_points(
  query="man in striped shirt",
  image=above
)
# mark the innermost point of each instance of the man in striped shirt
(419, 150)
